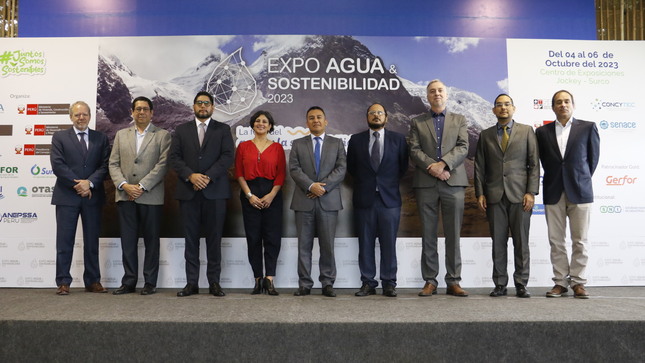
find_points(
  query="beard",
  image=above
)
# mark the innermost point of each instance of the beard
(203, 114)
(374, 126)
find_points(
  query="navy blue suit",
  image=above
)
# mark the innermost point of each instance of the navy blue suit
(572, 172)
(68, 164)
(377, 213)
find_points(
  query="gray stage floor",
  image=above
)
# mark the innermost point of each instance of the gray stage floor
(605, 304)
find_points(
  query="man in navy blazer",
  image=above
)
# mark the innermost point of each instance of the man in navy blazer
(569, 151)
(377, 159)
(79, 158)
(201, 152)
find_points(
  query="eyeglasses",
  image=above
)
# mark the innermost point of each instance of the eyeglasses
(205, 103)
(506, 104)
(140, 109)
(379, 113)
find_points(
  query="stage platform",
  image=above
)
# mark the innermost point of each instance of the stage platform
(36, 325)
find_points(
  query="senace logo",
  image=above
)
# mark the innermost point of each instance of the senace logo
(625, 125)
(618, 181)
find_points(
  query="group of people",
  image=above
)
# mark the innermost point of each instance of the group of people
(202, 150)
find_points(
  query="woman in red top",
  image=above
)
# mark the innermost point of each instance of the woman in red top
(260, 168)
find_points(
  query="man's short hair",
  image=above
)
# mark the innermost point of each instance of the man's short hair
(560, 91)
(71, 107)
(144, 99)
(316, 108)
(203, 93)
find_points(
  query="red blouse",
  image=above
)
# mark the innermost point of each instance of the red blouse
(270, 164)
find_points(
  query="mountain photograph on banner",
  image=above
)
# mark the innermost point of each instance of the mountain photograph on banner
(287, 74)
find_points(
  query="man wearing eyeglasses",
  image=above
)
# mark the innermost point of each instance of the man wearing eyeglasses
(138, 165)
(507, 178)
(377, 159)
(201, 152)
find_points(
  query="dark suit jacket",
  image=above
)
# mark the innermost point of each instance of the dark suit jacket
(147, 167)
(333, 165)
(515, 172)
(68, 164)
(212, 159)
(394, 164)
(572, 172)
(454, 149)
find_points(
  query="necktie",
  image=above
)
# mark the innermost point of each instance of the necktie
(505, 138)
(317, 154)
(375, 155)
(83, 143)
(201, 132)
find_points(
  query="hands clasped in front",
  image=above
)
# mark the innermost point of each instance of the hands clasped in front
(438, 170)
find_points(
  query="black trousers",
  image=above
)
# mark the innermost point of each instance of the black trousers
(263, 228)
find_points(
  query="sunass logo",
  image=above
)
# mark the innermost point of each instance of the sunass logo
(618, 181)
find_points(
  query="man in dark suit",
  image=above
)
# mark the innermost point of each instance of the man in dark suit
(317, 164)
(507, 178)
(202, 150)
(79, 159)
(377, 159)
(438, 147)
(569, 151)
(138, 165)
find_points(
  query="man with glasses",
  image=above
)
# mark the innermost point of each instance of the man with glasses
(377, 159)
(201, 152)
(138, 165)
(79, 158)
(507, 178)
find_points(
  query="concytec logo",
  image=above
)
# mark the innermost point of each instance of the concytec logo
(613, 180)
(611, 209)
(599, 104)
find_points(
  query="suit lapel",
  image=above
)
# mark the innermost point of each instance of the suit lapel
(430, 125)
(146, 139)
(573, 135)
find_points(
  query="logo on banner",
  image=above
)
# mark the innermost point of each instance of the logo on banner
(232, 84)
(48, 130)
(538, 104)
(21, 109)
(620, 181)
(538, 209)
(42, 191)
(619, 125)
(1, 108)
(48, 109)
(18, 149)
(42, 172)
(599, 104)
(21, 63)
(36, 149)
(18, 217)
(1, 195)
(614, 209)
(6, 130)
(8, 171)
(21, 191)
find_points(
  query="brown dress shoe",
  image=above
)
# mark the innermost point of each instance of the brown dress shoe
(557, 291)
(95, 287)
(428, 290)
(456, 290)
(62, 290)
(580, 292)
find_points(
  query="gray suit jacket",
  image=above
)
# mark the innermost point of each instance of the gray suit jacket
(333, 166)
(454, 149)
(515, 172)
(148, 167)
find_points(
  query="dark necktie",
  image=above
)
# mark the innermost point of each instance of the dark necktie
(375, 155)
(317, 154)
(83, 143)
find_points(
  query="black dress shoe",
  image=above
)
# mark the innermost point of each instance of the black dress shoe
(389, 291)
(148, 289)
(521, 291)
(269, 287)
(188, 290)
(302, 291)
(498, 291)
(328, 291)
(216, 290)
(257, 289)
(124, 289)
(365, 290)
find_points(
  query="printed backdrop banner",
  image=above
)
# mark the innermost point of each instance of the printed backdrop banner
(286, 75)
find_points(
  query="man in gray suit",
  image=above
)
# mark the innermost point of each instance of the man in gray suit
(507, 177)
(438, 146)
(317, 164)
(138, 165)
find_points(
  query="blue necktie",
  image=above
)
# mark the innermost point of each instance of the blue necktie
(317, 154)
(83, 143)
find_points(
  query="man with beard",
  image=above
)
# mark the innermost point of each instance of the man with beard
(438, 147)
(377, 159)
(202, 150)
